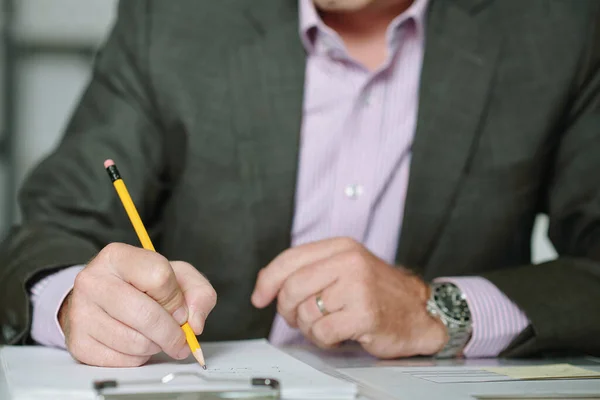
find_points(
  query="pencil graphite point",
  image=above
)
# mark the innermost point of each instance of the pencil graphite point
(108, 163)
(200, 358)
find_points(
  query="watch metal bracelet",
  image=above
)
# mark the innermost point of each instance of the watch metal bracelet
(446, 296)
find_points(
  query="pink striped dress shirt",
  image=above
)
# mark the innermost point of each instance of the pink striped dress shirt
(355, 153)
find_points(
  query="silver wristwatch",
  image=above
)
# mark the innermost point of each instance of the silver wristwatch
(448, 303)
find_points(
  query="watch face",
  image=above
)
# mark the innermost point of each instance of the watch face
(452, 302)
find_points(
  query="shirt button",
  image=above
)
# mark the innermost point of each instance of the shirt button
(353, 191)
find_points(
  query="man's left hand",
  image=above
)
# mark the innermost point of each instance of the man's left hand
(378, 305)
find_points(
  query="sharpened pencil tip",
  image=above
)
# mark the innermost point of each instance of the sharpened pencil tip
(200, 358)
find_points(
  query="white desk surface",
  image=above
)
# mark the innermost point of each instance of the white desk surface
(380, 379)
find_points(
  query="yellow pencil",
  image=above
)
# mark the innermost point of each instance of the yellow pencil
(142, 234)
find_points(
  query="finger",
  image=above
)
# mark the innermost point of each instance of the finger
(118, 336)
(199, 294)
(271, 278)
(334, 328)
(308, 312)
(135, 309)
(150, 273)
(310, 281)
(88, 350)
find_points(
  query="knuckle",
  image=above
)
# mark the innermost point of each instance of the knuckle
(182, 267)
(137, 361)
(280, 310)
(85, 282)
(173, 301)
(125, 361)
(212, 297)
(140, 345)
(347, 242)
(205, 298)
(356, 260)
(110, 250)
(177, 264)
(288, 316)
(176, 341)
(284, 312)
(110, 255)
(304, 313)
(359, 267)
(160, 274)
(148, 319)
(112, 247)
(284, 255)
(305, 329)
(287, 295)
(281, 259)
(324, 332)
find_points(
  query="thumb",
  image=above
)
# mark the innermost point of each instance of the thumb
(200, 297)
(150, 273)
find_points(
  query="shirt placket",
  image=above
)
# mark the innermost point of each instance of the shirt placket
(399, 111)
(354, 191)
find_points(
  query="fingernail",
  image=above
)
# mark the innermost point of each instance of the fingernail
(184, 353)
(181, 315)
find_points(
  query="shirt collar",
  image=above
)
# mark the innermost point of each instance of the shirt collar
(311, 23)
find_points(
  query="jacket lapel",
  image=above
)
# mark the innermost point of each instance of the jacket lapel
(267, 83)
(267, 78)
(459, 60)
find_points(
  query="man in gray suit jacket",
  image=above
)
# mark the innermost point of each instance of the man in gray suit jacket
(364, 170)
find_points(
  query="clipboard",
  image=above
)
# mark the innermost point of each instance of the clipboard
(253, 389)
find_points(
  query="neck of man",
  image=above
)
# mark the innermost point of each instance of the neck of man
(368, 22)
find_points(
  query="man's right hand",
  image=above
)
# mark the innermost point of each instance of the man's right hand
(128, 304)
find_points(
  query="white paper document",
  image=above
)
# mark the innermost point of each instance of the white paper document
(44, 373)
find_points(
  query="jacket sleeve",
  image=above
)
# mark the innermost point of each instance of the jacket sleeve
(561, 297)
(69, 207)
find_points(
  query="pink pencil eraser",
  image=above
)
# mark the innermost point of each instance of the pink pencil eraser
(108, 163)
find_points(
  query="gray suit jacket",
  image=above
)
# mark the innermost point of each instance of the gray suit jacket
(200, 105)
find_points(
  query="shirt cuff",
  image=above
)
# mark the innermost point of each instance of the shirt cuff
(496, 320)
(47, 296)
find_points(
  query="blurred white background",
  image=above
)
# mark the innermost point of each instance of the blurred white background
(51, 56)
(44, 70)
